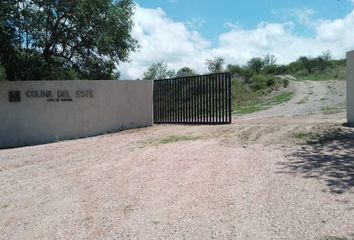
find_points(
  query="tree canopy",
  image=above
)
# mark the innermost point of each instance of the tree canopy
(65, 39)
(158, 71)
(215, 65)
(185, 72)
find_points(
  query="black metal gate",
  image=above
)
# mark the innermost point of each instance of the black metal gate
(202, 99)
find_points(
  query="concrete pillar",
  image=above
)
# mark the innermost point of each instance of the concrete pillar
(350, 87)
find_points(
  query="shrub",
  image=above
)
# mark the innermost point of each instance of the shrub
(258, 82)
(234, 70)
(270, 69)
(247, 74)
(285, 83)
(256, 65)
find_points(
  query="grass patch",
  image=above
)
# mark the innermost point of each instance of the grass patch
(169, 139)
(172, 139)
(263, 104)
(282, 98)
(336, 72)
(324, 137)
(4, 206)
(303, 101)
(301, 135)
(334, 238)
(248, 109)
(330, 110)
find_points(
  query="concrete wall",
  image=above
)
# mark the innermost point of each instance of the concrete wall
(350, 87)
(50, 111)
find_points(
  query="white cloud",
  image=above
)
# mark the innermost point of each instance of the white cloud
(196, 23)
(163, 39)
(301, 15)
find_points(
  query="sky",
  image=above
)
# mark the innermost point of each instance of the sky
(187, 32)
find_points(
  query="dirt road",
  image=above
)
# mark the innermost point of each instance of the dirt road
(255, 179)
(310, 97)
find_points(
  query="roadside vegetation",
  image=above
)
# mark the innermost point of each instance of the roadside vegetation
(167, 140)
(261, 83)
(323, 137)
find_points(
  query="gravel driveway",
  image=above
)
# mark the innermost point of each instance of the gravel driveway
(249, 180)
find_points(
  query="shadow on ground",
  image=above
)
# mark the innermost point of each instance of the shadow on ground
(328, 156)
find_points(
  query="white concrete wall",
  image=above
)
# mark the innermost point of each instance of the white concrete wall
(350, 87)
(107, 106)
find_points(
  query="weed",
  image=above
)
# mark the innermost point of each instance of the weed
(4, 206)
(283, 97)
(260, 105)
(127, 209)
(169, 139)
(303, 101)
(334, 238)
(301, 135)
(324, 137)
(155, 222)
(172, 139)
(330, 110)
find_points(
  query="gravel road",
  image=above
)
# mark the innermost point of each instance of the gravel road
(249, 180)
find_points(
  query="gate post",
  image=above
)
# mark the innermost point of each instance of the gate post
(350, 87)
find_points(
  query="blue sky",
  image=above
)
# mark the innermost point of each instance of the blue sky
(212, 15)
(187, 32)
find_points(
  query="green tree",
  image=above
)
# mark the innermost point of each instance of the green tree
(256, 65)
(215, 65)
(158, 71)
(326, 56)
(50, 39)
(308, 63)
(185, 72)
(269, 60)
(234, 70)
(270, 66)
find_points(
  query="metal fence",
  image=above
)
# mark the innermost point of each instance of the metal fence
(204, 99)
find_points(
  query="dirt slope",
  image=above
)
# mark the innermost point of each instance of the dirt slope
(310, 97)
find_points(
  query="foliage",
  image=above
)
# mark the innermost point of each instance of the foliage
(234, 70)
(256, 65)
(326, 56)
(158, 71)
(83, 39)
(185, 72)
(263, 81)
(319, 68)
(215, 65)
(173, 139)
(2, 73)
(269, 60)
(258, 82)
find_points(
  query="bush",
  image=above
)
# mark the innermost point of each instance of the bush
(258, 82)
(270, 69)
(247, 74)
(282, 69)
(234, 70)
(271, 82)
(285, 83)
(256, 65)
